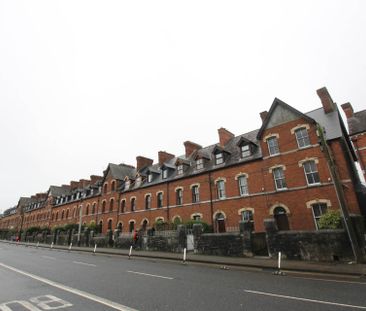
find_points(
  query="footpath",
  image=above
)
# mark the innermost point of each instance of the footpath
(264, 263)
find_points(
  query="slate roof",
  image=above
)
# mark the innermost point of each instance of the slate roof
(120, 171)
(233, 158)
(357, 123)
(330, 121)
(57, 191)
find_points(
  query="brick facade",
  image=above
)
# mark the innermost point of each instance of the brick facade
(238, 175)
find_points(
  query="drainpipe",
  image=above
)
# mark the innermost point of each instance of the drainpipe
(211, 203)
(167, 202)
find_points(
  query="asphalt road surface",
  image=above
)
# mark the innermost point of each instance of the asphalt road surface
(42, 279)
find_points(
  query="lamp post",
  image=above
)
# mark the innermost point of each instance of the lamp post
(80, 216)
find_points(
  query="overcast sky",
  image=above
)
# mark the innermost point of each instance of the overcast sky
(85, 83)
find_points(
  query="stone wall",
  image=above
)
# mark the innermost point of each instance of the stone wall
(321, 245)
(221, 244)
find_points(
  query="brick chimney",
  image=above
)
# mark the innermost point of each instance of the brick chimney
(164, 157)
(263, 115)
(94, 179)
(327, 101)
(84, 183)
(191, 147)
(224, 136)
(74, 184)
(348, 110)
(142, 162)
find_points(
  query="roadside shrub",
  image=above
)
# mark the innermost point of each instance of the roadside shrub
(330, 220)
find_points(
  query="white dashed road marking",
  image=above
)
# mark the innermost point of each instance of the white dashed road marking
(152, 275)
(103, 301)
(84, 263)
(305, 299)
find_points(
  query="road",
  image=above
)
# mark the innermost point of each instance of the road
(43, 279)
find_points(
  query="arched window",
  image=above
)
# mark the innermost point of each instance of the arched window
(100, 226)
(119, 226)
(103, 206)
(144, 224)
(110, 224)
(131, 226)
(221, 193)
(105, 188)
(280, 216)
(93, 208)
(148, 201)
(111, 204)
(159, 199)
(56, 215)
(123, 206)
(179, 196)
(133, 204)
(63, 214)
(67, 213)
(113, 185)
(87, 210)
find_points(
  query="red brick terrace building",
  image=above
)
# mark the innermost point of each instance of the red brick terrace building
(279, 171)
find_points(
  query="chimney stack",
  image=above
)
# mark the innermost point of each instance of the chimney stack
(348, 110)
(164, 157)
(327, 101)
(224, 136)
(191, 147)
(74, 184)
(142, 162)
(263, 115)
(84, 183)
(94, 179)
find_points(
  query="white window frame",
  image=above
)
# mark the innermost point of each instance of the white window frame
(304, 138)
(219, 158)
(195, 194)
(314, 174)
(280, 178)
(199, 164)
(316, 218)
(180, 169)
(179, 196)
(149, 177)
(221, 192)
(273, 149)
(245, 151)
(243, 188)
(164, 173)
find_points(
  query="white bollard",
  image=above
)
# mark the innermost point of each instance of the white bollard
(70, 246)
(279, 261)
(129, 254)
(95, 248)
(37, 244)
(184, 255)
(51, 245)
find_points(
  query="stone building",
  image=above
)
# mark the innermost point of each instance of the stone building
(278, 171)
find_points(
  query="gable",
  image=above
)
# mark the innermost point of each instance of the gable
(281, 115)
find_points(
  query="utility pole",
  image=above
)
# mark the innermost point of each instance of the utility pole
(340, 195)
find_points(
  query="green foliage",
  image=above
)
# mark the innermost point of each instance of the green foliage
(70, 227)
(32, 230)
(206, 227)
(92, 226)
(330, 220)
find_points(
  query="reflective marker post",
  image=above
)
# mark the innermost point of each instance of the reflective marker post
(129, 254)
(70, 246)
(184, 255)
(95, 249)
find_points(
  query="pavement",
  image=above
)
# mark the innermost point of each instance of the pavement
(265, 263)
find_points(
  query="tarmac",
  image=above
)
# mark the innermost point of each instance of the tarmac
(261, 263)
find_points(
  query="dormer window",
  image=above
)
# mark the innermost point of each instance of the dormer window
(149, 177)
(127, 184)
(180, 169)
(245, 151)
(138, 181)
(164, 173)
(199, 164)
(219, 158)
